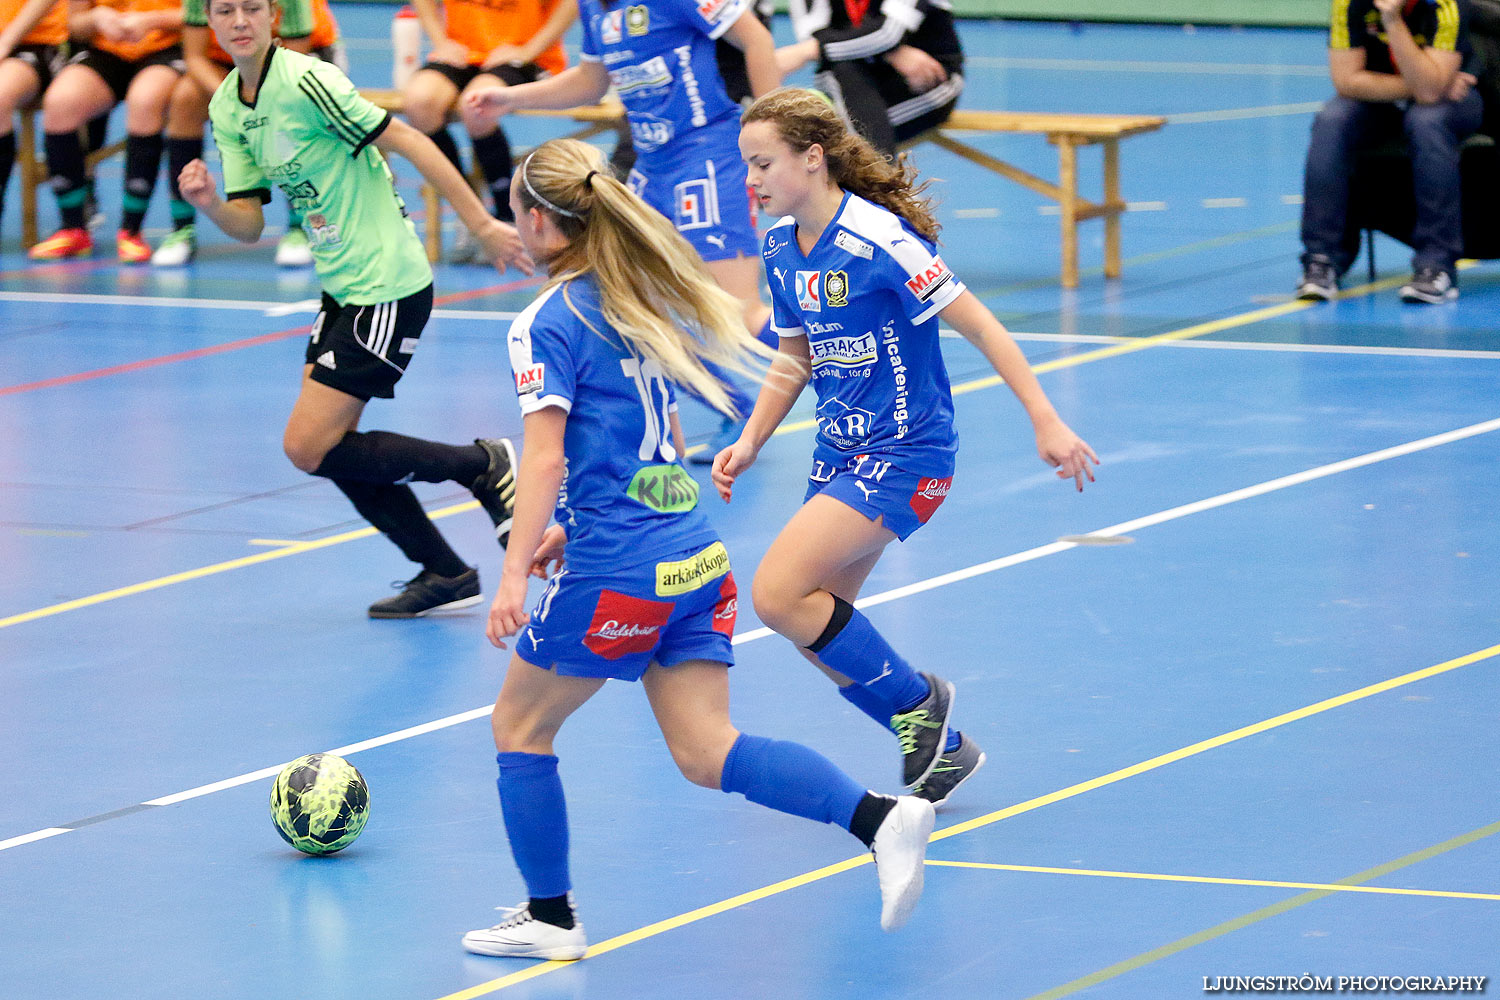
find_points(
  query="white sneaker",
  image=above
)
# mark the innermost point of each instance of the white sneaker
(292, 250)
(178, 249)
(520, 935)
(465, 249)
(900, 849)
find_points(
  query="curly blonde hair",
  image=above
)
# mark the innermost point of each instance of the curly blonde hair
(804, 117)
(653, 288)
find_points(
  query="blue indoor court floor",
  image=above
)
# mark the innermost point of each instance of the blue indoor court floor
(1238, 696)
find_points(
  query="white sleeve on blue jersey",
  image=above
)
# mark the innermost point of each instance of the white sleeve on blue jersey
(712, 17)
(910, 264)
(541, 359)
(785, 321)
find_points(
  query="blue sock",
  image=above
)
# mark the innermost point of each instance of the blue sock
(861, 654)
(876, 708)
(790, 778)
(536, 818)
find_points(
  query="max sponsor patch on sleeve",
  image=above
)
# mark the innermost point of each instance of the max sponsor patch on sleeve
(925, 283)
(530, 379)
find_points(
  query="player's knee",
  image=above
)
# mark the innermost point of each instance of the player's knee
(699, 765)
(60, 113)
(772, 600)
(303, 452)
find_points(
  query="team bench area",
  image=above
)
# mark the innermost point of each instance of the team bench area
(1066, 132)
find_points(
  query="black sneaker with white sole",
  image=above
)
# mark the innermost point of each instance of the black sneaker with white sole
(952, 769)
(923, 731)
(1430, 285)
(427, 592)
(496, 489)
(1320, 280)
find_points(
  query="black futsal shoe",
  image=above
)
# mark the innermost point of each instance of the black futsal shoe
(496, 489)
(427, 592)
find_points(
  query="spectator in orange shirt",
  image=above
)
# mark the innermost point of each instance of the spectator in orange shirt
(30, 55)
(477, 44)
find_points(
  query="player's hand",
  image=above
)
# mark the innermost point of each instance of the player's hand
(449, 53)
(919, 69)
(492, 102)
(196, 183)
(549, 552)
(1389, 9)
(508, 611)
(502, 245)
(791, 58)
(110, 23)
(1459, 86)
(729, 463)
(133, 27)
(505, 55)
(1066, 452)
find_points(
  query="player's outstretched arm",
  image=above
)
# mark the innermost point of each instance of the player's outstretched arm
(538, 481)
(501, 242)
(783, 384)
(577, 85)
(239, 217)
(1055, 441)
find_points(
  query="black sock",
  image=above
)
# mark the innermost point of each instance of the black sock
(384, 457)
(552, 910)
(142, 164)
(448, 147)
(869, 814)
(181, 152)
(493, 155)
(7, 161)
(396, 513)
(97, 129)
(65, 172)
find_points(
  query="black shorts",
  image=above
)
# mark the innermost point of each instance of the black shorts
(511, 76)
(45, 59)
(364, 350)
(117, 73)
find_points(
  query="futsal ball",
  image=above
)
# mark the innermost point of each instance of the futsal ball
(319, 803)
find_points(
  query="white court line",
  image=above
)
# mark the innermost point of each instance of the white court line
(1250, 345)
(268, 309)
(932, 583)
(1236, 114)
(1141, 66)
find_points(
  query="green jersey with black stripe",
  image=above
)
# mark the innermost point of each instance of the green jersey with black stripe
(310, 132)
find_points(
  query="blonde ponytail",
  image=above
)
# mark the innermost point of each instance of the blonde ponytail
(653, 288)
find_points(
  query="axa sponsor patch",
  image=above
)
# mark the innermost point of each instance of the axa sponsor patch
(925, 283)
(844, 352)
(686, 575)
(530, 379)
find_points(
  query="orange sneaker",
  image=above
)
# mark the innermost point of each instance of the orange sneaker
(131, 248)
(63, 244)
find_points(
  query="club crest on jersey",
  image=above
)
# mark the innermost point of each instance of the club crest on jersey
(925, 283)
(836, 288)
(609, 27)
(530, 379)
(809, 291)
(637, 20)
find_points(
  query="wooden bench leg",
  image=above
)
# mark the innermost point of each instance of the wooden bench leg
(433, 205)
(1067, 170)
(1113, 208)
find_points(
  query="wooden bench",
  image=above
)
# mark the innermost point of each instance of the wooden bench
(1067, 133)
(32, 167)
(590, 119)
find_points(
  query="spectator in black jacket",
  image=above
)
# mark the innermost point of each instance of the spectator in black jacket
(896, 68)
(1397, 66)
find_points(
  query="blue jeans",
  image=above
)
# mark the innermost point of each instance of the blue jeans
(1433, 135)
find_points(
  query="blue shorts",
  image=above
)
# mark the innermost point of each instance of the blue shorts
(617, 624)
(703, 192)
(902, 501)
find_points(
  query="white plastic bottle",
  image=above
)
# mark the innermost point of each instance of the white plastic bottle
(406, 46)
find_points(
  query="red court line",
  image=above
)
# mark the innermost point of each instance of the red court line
(233, 345)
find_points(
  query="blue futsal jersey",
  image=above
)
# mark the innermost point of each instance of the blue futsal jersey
(867, 298)
(660, 58)
(625, 499)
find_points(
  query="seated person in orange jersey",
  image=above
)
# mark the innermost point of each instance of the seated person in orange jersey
(483, 43)
(133, 55)
(30, 55)
(304, 26)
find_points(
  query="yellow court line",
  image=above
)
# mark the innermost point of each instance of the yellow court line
(1072, 361)
(651, 930)
(1210, 880)
(290, 549)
